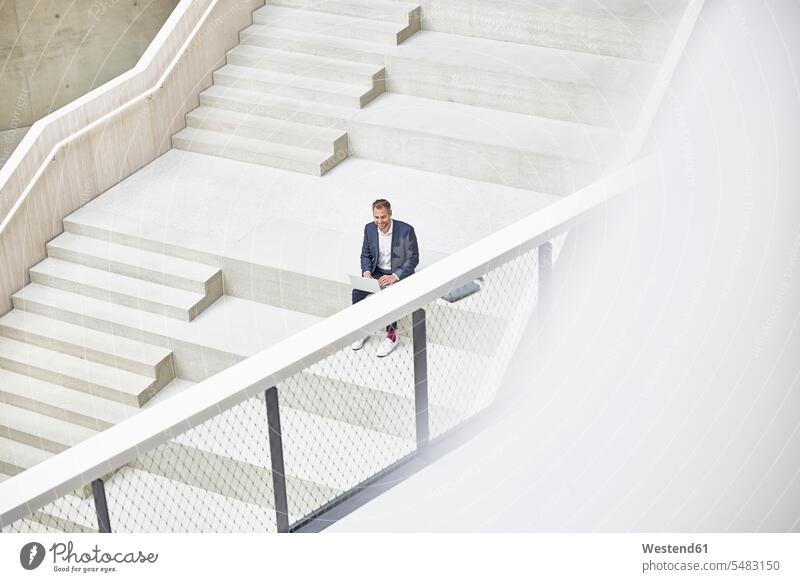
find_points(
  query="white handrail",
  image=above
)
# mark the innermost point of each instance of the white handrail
(154, 426)
(110, 115)
(665, 72)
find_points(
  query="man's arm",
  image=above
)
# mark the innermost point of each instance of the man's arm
(412, 259)
(366, 256)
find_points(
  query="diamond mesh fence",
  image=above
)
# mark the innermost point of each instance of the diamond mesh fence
(471, 341)
(344, 420)
(215, 477)
(347, 418)
(73, 513)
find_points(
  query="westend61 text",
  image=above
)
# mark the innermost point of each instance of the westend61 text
(65, 553)
(670, 549)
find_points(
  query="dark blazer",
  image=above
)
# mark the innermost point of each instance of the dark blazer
(405, 251)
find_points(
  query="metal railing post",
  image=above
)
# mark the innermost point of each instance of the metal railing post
(101, 506)
(420, 344)
(276, 456)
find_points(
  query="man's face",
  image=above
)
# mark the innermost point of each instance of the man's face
(382, 218)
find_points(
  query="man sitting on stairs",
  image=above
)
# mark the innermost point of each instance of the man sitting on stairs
(389, 253)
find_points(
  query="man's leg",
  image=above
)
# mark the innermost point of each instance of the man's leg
(359, 295)
(391, 331)
(388, 345)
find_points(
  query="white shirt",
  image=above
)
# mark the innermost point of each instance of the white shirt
(385, 248)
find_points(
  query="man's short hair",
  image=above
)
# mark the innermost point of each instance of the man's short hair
(381, 203)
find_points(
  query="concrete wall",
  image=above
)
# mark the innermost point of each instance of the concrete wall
(9, 138)
(111, 151)
(52, 52)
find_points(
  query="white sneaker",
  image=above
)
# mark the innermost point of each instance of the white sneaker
(359, 343)
(387, 347)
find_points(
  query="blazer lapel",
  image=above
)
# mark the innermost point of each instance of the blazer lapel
(391, 250)
(376, 245)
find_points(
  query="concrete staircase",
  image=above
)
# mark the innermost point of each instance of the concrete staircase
(60, 516)
(494, 108)
(62, 379)
(541, 97)
(620, 28)
(127, 276)
(283, 98)
(513, 149)
(541, 81)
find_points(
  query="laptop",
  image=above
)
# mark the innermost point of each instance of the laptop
(368, 285)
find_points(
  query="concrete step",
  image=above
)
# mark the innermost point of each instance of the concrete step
(221, 475)
(355, 404)
(39, 430)
(389, 33)
(452, 324)
(119, 289)
(58, 402)
(276, 107)
(81, 522)
(16, 457)
(339, 455)
(225, 511)
(60, 516)
(400, 11)
(132, 262)
(653, 10)
(200, 348)
(206, 346)
(317, 67)
(76, 373)
(31, 525)
(317, 451)
(91, 313)
(330, 141)
(40, 522)
(322, 45)
(394, 374)
(209, 460)
(539, 81)
(307, 161)
(68, 514)
(584, 26)
(282, 282)
(288, 85)
(457, 390)
(535, 153)
(82, 342)
(274, 252)
(320, 419)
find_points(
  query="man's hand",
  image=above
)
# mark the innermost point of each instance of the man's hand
(367, 275)
(387, 280)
